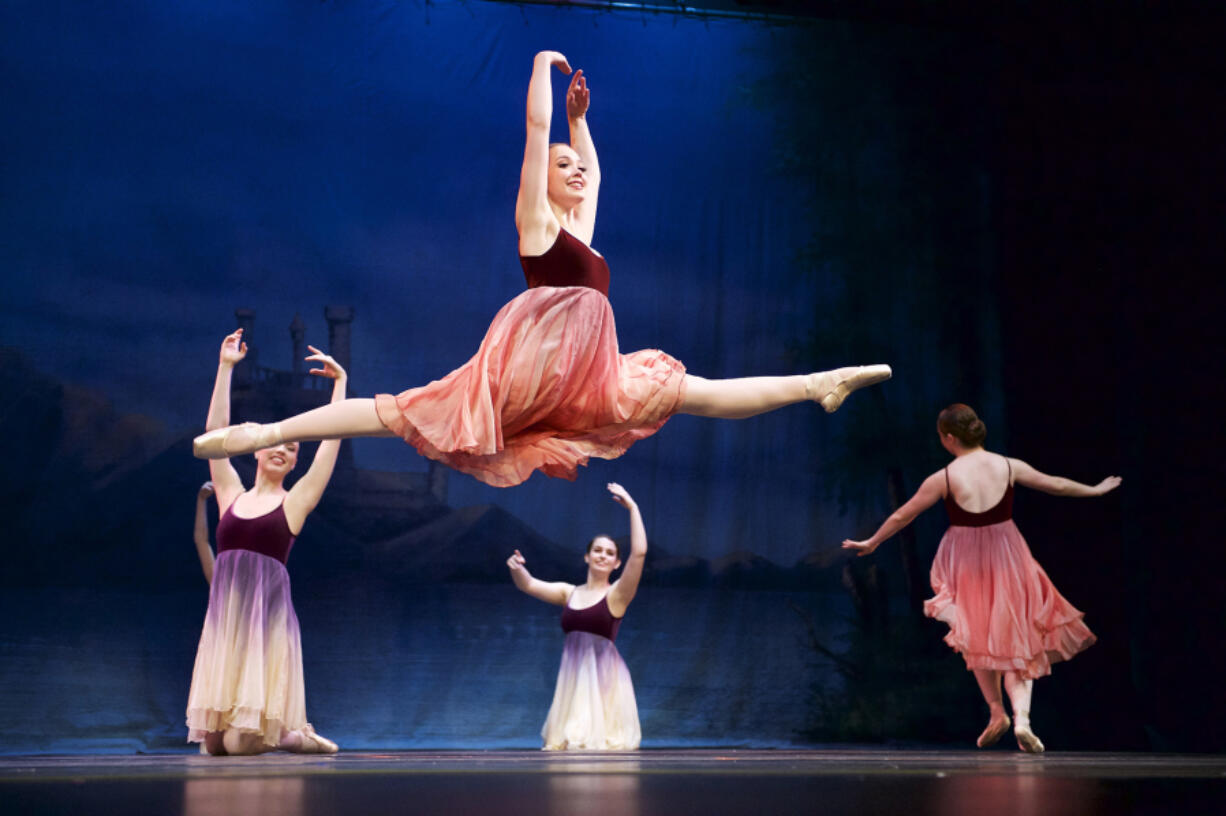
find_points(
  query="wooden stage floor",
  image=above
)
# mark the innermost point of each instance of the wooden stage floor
(644, 783)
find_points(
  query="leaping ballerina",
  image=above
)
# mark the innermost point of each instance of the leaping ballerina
(548, 389)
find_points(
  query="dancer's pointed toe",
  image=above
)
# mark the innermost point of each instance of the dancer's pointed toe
(236, 440)
(1027, 740)
(851, 380)
(992, 734)
(310, 742)
(211, 445)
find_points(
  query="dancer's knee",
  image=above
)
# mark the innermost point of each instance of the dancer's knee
(700, 397)
(214, 743)
(237, 743)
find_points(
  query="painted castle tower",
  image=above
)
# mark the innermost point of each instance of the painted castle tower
(373, 503)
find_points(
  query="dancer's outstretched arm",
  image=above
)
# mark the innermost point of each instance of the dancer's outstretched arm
(625, 587)
(306, 493)
(1027, 476)
(226, 484)
(200, 531)
(578, 98)
(554, 592)
(930, 493)
(534, 219)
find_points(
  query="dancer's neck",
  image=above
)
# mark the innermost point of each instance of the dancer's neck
(266, 485)
(596, 582)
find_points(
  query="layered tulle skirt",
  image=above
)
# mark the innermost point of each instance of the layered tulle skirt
(593, 704)
(1003, 612)
(248, 672)
(546, 391)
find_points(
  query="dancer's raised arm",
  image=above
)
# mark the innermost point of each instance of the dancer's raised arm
(625, 587)
(1026, 475)
(929, 493)
(226, 483)
(534, 218)
(554, 592)
(578, 98)
(306, 493)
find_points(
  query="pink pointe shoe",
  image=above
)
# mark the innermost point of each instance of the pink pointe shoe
(1027, 740)
(830, 388)
(995, 730)
(235, 440)
(311, 743)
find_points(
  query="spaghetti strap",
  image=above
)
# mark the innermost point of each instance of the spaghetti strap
(947, 493)
(1009, 465)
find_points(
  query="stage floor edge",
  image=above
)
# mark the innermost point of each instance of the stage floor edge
(639, 783)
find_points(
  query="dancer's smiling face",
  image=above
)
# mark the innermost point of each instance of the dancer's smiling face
(278, 460)
(567, 176)
(602, 554)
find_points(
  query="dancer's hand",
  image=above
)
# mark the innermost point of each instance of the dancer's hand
(516, 562)
(556, 60)
(577, 96)
(233, 349)
(331, 368)
(621, 496)
(206, 490)
(861, 547)
(1107, 485)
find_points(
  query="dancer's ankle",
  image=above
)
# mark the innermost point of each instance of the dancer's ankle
(830, 388)
(997, 725)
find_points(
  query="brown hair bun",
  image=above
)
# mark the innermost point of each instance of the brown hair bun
(965, 425)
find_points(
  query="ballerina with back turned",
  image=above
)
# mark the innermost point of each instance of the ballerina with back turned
(1005, 617)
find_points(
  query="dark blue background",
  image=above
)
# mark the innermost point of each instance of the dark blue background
(985, 207)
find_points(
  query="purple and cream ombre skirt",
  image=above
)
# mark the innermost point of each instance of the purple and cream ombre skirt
(248, 672)
(593, 704)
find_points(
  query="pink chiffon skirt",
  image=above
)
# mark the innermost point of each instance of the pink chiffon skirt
(248, 672)
(1003, 612)
(546, 391)
(593, 703)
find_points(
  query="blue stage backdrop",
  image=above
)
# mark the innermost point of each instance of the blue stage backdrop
(775, 200)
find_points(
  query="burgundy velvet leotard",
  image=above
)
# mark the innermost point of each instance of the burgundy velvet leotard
(569, 262)
(1003, 511)
(595, 619)
(267, 534)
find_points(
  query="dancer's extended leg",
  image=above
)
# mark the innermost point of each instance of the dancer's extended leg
(336, 420)
(998, 720)
(1019, 689)
(748, 396)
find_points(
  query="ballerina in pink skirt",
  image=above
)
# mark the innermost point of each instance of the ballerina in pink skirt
(548, 388)
(1005, 617)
